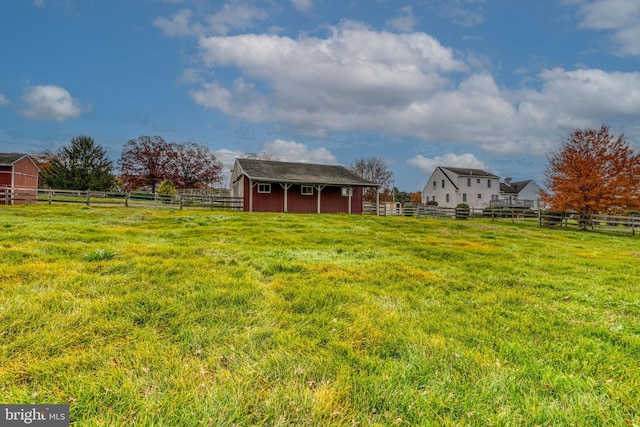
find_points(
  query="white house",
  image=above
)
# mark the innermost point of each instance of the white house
(449, 187)
(519, 194)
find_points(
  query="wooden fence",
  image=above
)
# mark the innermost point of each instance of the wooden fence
(564, 220)
(11, 196)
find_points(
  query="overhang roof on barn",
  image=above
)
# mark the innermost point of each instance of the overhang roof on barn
(8, 159)
(301, 173)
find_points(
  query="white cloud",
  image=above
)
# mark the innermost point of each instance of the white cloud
(406, 84)
(621, 17)
(4, 100)
(38, 3)
(234, 15)
(427, 165)
(466, 13)
(49, 102)
(582, 97)
(405, 21)
(336, 82)
(191, 76)
(292, 151)
(178, 25)
(302, 5)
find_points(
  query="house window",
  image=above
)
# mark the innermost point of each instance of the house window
(479, 196)
(264, 188)
(443, 183)
(488, 183)
(447, 198)
(468, 182)
(464, 197)
(306, 190)
(494, 197)
(478, 181)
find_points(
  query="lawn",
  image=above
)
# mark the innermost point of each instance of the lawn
(186, 318)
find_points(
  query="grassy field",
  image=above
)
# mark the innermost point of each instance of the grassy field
(187, 318)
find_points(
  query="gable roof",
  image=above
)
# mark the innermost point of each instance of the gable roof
(514, 187)
(301, 173)
(469, 172)
(8, 159)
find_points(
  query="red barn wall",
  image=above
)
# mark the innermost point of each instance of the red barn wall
(23, 178)
(331, 200)
(5, 176)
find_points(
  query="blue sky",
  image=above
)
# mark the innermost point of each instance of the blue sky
(490, 84)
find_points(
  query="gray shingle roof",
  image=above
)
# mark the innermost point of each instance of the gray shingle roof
(470, 172)
(301, 173)
(514, 187)
(7, 159)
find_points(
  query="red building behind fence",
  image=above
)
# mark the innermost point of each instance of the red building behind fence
(18, 179)
(269, 186)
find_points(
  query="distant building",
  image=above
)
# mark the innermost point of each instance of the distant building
(18, 179)
(524, 194)
(449, 187)
(270, 186)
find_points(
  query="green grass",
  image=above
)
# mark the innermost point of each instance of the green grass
(156, 317)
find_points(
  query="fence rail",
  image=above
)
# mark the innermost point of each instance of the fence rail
(566, 220)
(12, 196)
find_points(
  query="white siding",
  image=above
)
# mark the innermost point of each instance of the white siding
(456, 186)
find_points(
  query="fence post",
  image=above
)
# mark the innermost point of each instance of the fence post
(539, 217)
(155, 199)
(126, 199)
(6, 195)
(181, 203)
(88, 197)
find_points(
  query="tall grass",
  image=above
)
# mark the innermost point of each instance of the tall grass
(206, 318)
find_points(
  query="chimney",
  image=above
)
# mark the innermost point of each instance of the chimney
(507, 180)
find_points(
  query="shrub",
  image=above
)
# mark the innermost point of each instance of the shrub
(167, 187)
(462, 211)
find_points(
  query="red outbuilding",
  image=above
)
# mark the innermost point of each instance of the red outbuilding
(18, 179)
(269, 186)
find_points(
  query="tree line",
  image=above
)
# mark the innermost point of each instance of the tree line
(150, 162)
(591, 171)
(145, 163)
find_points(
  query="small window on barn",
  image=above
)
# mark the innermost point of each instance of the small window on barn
(479, 196)
(306, 190)
(346, 191)
(478, 181)
(488, 183)
(434, 185)
(443, 183)
(468, 182)
(464, 197)
(264, 188)
(447, 198)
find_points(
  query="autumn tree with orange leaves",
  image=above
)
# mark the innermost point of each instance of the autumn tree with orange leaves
(593, 171)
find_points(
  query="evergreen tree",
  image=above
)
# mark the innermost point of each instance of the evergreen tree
(82, 165)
